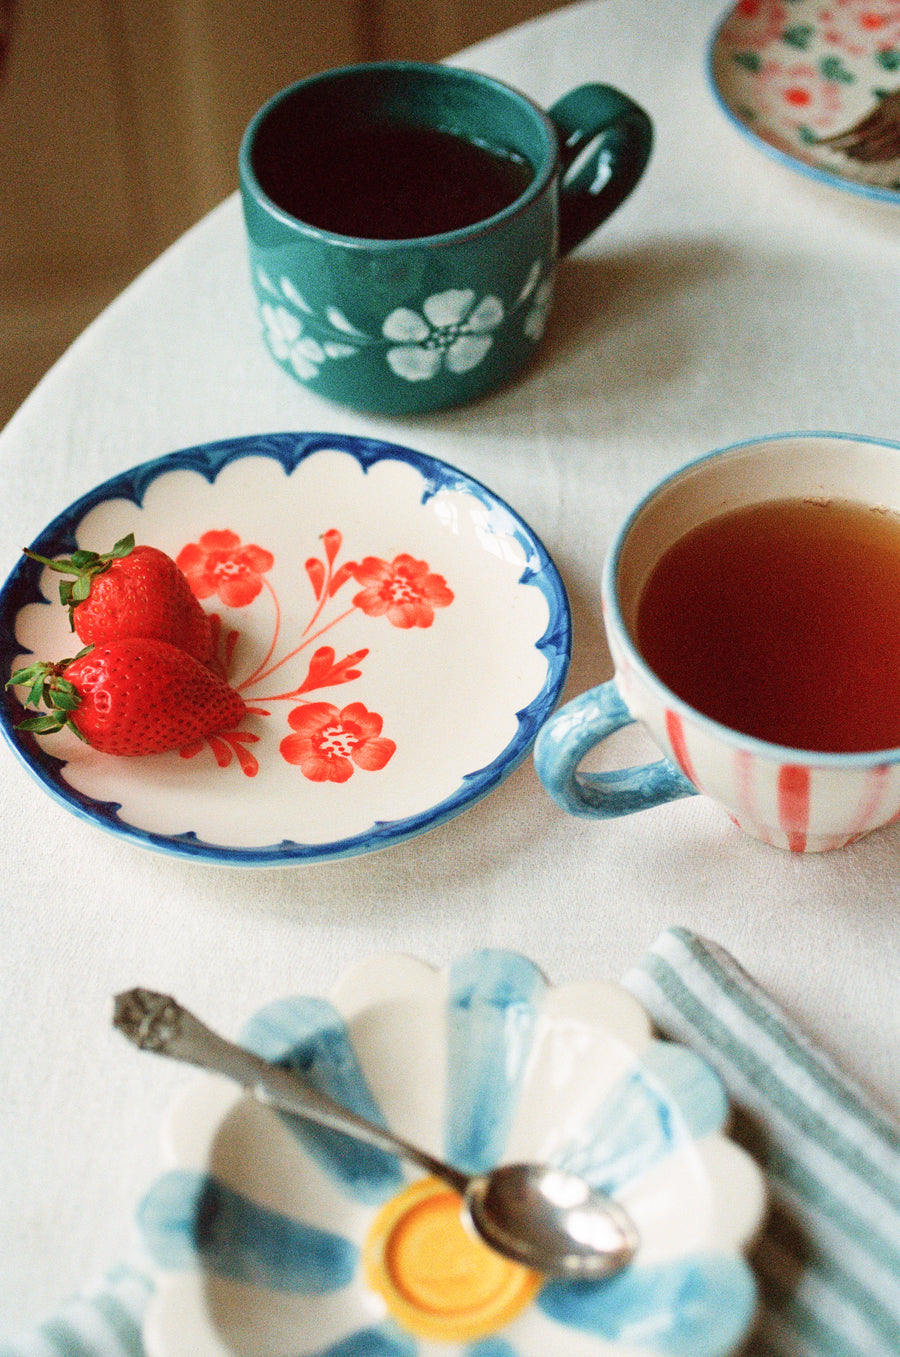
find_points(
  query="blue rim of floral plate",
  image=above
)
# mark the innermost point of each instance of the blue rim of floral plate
(290, 450)
(820, 174)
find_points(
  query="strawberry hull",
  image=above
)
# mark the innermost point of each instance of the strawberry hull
(144, 594)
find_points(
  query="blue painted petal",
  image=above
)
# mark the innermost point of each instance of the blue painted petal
(310, 1036)
(494, 998)
(189, 1218)
(691, 1307)
(383, 1340)
(693, 1087)
(492, 1346)
(667, 1097)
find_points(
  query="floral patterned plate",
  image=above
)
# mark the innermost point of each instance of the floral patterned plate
(273, 1238)
(398, 634)
(798, 77)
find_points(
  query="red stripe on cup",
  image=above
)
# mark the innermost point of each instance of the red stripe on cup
(793, 804)
(744, 781)
(866, 816)
(675, 732)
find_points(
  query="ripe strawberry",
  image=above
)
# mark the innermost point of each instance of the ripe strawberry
(131, 697)
(132, 591)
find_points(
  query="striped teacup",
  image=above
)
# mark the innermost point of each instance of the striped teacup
(791, 798)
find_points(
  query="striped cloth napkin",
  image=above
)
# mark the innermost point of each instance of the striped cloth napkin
(103, 1322)
(828, 1259)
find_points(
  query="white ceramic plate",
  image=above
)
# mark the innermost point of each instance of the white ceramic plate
(264, 1232)
(792, 73)
(403, 630)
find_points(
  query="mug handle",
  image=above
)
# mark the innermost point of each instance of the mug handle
(618, 135)
(572, 732)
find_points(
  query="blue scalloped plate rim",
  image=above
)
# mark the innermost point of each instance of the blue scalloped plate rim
(290, 449)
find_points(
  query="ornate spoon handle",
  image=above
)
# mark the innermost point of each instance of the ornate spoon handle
(157, 1022)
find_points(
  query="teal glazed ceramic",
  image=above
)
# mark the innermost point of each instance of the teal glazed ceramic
(411, 325)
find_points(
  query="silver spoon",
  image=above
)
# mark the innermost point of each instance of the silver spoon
(547, 1219)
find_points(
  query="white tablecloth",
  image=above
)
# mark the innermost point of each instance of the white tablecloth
(728, 298)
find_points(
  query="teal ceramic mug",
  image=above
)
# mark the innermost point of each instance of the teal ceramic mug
(404, 221)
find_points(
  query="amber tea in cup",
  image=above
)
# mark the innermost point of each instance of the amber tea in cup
(782, 620)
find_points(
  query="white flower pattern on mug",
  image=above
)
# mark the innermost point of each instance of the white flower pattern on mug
(536, 320)
(285, 337)
(452, 332)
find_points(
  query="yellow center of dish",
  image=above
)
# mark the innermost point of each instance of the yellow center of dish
(437, 1280)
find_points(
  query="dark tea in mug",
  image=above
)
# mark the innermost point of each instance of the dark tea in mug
(404, 221)
(781, 620)
(387, 180)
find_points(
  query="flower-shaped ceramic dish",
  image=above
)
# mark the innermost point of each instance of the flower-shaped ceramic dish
(398, 633)
(797, 76)
(273, 1238)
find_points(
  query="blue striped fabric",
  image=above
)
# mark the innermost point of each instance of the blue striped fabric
(828, 1260)
(104, 1322)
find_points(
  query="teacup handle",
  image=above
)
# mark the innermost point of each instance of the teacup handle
(622, 134)
(572, 732)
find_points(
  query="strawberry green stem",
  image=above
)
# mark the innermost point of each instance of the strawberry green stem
(84, 565)
(46, 685)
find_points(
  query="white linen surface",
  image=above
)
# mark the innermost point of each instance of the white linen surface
(728, 298)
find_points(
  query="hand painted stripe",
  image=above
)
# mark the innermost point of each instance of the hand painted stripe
(310, 1036)
(678, 741)
(743, 783)
(698, 1306)
(750, 818)
(384, 1340)
(669, 1096)
(189, 1218)
(491, 1346)
(873, 792)
(794, 786)
(494, 998)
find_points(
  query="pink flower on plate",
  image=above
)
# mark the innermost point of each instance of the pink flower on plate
(798, 96)
(755, 23)
(402, 590)
(328, 741)
(221, 564)
(862, 27)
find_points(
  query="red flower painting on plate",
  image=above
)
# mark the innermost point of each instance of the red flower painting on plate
(328, 743)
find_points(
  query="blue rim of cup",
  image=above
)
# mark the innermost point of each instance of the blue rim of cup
(613, 613)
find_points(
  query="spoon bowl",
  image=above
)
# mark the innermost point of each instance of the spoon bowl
(550, 1220)
(541, 1217)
